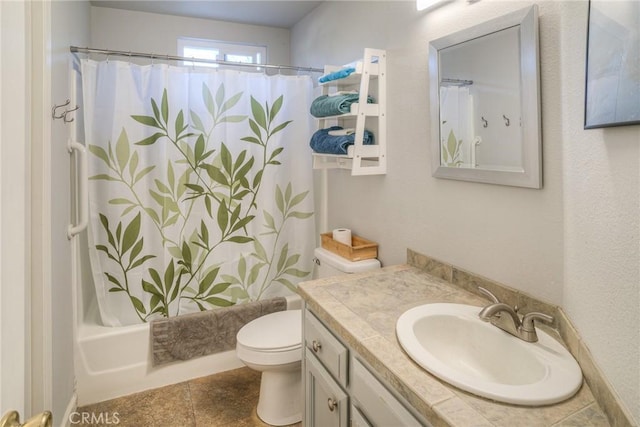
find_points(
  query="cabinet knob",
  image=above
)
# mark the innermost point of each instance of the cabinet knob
(316, 346)
(332, 404)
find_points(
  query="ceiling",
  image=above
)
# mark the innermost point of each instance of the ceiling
(283, 13)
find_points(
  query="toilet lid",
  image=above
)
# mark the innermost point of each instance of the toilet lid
(277, 331)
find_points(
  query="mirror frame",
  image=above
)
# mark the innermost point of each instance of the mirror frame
(594, 46)
(531, 177)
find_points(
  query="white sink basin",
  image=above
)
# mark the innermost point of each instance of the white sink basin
(451, 342)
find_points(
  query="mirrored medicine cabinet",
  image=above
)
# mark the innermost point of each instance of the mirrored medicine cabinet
(485, 102)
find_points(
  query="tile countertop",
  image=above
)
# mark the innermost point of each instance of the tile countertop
(362, 309)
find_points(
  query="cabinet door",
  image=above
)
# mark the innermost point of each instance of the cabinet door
(326, 403)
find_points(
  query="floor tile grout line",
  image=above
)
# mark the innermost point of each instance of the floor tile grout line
(193, 408)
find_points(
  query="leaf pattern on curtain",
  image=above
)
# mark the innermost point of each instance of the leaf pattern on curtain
(203, 201)
(451, 151)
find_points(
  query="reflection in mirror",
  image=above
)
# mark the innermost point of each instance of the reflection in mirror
(485, 85)
(480, 118)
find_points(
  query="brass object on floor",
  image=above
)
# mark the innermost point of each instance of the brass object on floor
(12, 419)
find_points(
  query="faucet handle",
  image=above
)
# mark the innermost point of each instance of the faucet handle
(488, 293)
(527, 320)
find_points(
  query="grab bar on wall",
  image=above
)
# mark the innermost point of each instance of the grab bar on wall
(82, 183)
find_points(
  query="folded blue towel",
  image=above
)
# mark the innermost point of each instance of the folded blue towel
(325, 105)
(322, 142)
(336, 75)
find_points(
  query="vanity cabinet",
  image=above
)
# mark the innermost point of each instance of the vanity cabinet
(326, 348)
(340, 390)
(374, 402)
(326, 403)
(326, 360)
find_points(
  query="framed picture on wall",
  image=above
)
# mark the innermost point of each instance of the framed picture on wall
(612, 96)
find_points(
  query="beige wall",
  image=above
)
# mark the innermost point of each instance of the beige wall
(69, 26)
(155, 33)
(481, 227)
(574, 243)
(601, 224)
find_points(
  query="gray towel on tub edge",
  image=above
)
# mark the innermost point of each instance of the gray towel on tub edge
(199, 334)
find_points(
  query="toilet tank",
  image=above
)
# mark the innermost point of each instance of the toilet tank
(328, 264)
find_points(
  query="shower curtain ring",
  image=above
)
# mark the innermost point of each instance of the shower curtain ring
(129, 57)
(153, 59)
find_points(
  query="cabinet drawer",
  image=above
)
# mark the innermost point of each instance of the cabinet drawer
(375, 402)
(327, 405)
(331, 352)
(357, 419)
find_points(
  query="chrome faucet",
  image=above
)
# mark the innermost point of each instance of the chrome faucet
(511, 323)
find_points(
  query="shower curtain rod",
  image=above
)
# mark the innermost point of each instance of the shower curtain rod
(457, 82)
(75, 49)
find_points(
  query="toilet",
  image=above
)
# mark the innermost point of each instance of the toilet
(330, 264)
(272, 344)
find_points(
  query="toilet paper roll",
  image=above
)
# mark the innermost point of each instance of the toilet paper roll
(342, 235)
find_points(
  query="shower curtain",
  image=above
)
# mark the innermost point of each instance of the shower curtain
(456, 127)
(200, 187)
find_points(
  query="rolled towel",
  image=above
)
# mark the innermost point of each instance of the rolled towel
(323, 142)
(336, 75)
(324, 105)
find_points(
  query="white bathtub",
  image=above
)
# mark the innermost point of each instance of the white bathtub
(116, 361)
(112, 362)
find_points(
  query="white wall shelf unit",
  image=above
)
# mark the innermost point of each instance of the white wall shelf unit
(369, 78)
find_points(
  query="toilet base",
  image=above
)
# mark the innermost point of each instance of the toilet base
(280, 401)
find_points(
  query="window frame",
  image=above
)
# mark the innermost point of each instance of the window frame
(224, 48)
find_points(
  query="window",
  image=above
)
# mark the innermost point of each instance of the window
(225, 51)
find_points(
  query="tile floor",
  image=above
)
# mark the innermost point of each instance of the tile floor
(220, 400)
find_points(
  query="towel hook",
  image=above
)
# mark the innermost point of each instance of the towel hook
(64, 115)
(485, 123)
(55, 107)
(507, 122)
(66, 111)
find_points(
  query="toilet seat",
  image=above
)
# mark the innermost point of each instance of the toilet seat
(273, 339)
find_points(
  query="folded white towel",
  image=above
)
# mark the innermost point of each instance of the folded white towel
(342, 132)
(343, 92)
